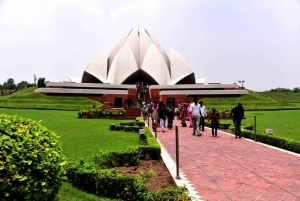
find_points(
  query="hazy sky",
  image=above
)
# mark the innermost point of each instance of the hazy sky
(222, 40)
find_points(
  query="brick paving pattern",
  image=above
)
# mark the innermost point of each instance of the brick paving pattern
(227, 168)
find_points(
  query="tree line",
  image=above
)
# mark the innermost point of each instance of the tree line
(11, 85)
(295, 90)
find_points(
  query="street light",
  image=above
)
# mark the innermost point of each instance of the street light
(242, 82)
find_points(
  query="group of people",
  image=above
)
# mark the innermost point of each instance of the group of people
(196, 113)
(160, 113)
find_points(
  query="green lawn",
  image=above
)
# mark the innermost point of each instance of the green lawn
(80, 139)
(27, 98)
(68, 193)
(284, 96)
(250, 101)
(284, 123)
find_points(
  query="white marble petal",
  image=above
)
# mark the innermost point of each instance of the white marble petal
(155, 65)
(179, 66)
(145, 42)
(116, 49)
(123, 66)
(162, 51)
(74, 79)
(133, 41)
(176, 80)
(98, 64)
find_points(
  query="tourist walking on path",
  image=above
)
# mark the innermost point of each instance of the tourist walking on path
(162, 114)
(196, 113)
(214, 117)
(203, 115)
(170, 115)
(154, 115)
(179, 105)
(189, 113)
(149, 107)
(237, 113)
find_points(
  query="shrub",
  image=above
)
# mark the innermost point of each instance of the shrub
(112, 127)
(137, 128)
(109, 183)
(129, 128)
(248, 127)
(119, 127)
(125, 123)
(129, 157)
(152, 150)
(145, 112)
(141, 123)
(172, 193)
(131, 123)
(276, 141)
(32, 163)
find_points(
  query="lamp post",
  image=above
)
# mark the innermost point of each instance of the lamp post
(242, 82)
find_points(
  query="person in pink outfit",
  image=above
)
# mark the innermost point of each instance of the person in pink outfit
(189, 113)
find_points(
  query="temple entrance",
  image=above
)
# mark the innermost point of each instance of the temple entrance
(118, 102)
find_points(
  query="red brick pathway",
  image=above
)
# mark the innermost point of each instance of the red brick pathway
(226, 168)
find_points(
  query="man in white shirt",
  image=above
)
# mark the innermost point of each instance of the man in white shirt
(203, 115)
(195, 110)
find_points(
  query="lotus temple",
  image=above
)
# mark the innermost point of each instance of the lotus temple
(139, 68)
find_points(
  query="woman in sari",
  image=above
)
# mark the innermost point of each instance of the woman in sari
(183, 114)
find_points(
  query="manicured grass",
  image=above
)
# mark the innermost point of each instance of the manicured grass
(250, 101)
(27, 98)
(68, 193)
(80, 139)
(284, 96)
(284, 123)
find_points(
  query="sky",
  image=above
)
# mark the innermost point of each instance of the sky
(222, 40)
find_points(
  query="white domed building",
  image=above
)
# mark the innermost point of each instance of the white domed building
(138, 57)
(139, 68)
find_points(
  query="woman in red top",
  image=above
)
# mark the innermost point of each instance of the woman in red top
(214, 117)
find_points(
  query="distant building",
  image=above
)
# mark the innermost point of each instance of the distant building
(139, 68)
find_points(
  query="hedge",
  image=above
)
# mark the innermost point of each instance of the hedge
(31, 160)
(276, 141)
(109, 183)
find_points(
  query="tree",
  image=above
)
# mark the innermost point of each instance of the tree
(22, 84)
(41, 82)
(10, 84)
(296, 89)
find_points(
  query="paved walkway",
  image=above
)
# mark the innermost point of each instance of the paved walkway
(228, 168)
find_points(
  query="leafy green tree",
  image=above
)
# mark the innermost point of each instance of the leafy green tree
(41, 82)
(22, 84)
(1, 87)
(296, 89)
(10, 84)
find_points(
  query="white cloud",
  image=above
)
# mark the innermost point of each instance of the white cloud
(27, 13)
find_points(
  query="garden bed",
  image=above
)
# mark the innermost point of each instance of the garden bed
(162, 176)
